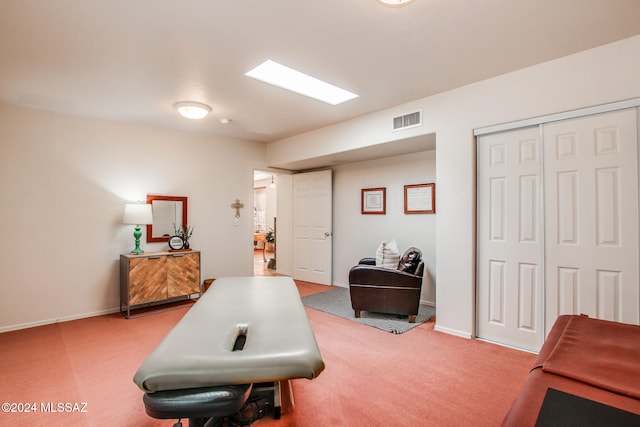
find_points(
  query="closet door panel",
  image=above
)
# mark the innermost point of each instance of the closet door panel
(591, 222)
(509, 275)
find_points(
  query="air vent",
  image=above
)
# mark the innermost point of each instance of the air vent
(407, 121)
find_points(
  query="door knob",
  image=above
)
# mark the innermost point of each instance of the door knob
(327, 234)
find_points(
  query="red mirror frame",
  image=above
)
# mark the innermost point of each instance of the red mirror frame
(150, 199)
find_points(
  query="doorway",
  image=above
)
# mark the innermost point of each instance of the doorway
(264, 223)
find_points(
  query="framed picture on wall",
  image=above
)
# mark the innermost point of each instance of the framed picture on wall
(420, 198)
(374, 201)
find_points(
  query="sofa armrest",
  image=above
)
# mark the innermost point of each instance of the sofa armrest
(367, 261)
(379, 276)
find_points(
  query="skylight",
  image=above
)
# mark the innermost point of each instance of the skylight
(278, 75)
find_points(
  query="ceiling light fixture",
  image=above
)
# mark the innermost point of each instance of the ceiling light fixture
(395, 2)
(192, 110)
(287, 78)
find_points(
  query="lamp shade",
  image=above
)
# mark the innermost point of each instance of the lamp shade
(138, 214)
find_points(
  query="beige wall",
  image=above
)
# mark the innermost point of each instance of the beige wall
(602, 75)
(64, 181)
(357, 236)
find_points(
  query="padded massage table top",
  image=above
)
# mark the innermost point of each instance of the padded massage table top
(590, 358)
(198, 351)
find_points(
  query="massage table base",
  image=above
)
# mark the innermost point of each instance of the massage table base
(279, 394)
(200, 405)
(197, 404)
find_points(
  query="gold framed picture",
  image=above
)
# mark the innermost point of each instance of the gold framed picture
(420, 198)
(374, 201)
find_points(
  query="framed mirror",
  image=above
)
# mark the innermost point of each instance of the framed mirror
(167, 211)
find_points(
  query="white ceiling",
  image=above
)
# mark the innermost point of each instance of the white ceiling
(130, 61)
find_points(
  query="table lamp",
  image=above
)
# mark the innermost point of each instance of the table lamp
(137, 214)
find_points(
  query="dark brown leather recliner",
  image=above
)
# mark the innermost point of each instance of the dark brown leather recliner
(385, 290)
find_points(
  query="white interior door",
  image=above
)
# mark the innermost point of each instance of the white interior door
(312, 226)
(592, 217)
(509, 238)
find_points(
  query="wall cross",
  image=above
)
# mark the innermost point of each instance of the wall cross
(237, 206)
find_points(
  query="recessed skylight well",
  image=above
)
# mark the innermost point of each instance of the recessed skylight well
(395, 2)
(287, 78)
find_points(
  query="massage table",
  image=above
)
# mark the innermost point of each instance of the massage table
(244, 332)
(587, 373)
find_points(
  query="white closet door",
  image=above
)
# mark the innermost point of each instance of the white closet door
(509, 239)
(591, 194)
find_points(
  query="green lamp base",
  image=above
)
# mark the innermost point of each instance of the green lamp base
(137, 234)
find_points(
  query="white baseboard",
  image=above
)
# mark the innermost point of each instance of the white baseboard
(508, 346)
(449, 331)
(57, 320)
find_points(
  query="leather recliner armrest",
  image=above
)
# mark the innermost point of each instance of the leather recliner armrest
(367, 261)
(420, 269)
(379, 276)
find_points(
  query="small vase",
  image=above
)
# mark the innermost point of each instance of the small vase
(185, 245)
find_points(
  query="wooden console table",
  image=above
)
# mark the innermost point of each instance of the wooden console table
(157, 277)
(261, 237)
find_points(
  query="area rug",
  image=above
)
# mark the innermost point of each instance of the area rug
(338, 303)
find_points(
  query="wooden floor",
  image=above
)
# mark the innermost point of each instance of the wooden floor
(260, 265)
